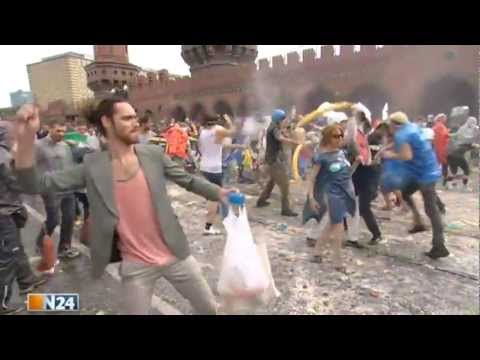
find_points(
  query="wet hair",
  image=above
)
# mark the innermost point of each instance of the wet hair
(94, 113)
(329, 132)
(81, 122)
(57, 122)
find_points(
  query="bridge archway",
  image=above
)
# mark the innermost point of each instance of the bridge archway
(441, 95)
(178, 113)
(223, 107)
(196, 112)
(316, 97)
(373, 97)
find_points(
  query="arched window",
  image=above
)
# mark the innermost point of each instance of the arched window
(222, 107)
(373, 97)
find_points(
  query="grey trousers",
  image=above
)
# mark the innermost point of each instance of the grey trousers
(138, 281)
(278, 176)
(431, 209)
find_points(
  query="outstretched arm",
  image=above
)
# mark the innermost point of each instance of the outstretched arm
(192, 183)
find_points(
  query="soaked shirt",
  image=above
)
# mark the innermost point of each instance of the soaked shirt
(424, 167)
(53, 156)
(139, 231)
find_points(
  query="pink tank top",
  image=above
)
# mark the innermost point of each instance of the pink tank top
(140, 235)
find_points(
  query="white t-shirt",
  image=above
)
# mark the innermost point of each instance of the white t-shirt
(211, 160)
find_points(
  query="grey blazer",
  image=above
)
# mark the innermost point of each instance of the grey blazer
(96, 175)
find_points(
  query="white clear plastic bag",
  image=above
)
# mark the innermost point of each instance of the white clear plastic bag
(271, 292)
(243, 277)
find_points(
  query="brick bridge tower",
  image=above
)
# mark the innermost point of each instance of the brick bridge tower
(111, 70)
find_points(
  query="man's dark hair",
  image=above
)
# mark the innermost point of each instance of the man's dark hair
(81, 122)
(106, 108)
(57, 122)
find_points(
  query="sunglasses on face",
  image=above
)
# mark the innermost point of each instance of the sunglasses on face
(338, 136)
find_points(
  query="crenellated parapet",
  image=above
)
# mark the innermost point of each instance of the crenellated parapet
(405, 76)
(310, 57)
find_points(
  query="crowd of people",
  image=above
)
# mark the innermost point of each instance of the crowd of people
(109, 171)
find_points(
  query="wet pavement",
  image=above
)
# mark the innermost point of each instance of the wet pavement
(388, 279)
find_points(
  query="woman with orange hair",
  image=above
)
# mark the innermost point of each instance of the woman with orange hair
(330, 186)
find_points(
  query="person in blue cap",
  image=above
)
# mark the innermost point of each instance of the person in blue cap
(277, 165)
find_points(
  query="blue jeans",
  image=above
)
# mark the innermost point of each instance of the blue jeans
(54, 204)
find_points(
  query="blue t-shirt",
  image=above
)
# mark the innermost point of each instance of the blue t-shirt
(334, 177)
(424, 166)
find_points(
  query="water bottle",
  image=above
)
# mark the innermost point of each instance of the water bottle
(236, 201)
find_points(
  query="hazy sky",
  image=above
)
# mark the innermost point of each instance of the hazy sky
(14, 60)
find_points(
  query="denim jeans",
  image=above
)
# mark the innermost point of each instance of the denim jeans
(54, 205)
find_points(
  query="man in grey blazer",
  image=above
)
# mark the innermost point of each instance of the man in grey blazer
(132, 217)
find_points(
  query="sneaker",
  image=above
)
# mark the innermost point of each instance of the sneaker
(377, 241)
(437, 253)
(289, 213)
(261, 204)
(10, 310)
(417, 229)
(36, 283)
(211, 231)
(354, 244)
(70, 253)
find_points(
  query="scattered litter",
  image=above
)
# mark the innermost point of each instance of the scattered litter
(101, 312)
(281, 227)
(471, 223)
(455, 226)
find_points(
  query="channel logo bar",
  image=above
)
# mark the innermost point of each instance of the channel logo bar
(53, 302)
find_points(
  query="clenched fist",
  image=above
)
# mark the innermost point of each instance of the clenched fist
(27, 123)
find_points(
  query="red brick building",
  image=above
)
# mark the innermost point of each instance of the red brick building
(418, 79)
